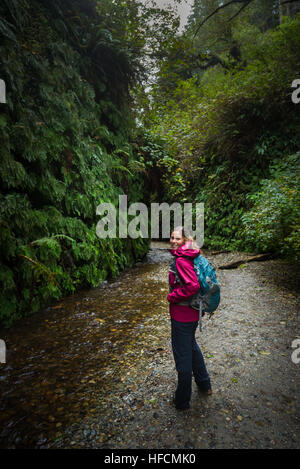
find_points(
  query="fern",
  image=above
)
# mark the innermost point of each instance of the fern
(65, 147)
(7, 29)
(40, 269)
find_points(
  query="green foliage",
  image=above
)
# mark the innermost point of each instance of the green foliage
(273, 223)
(66, 146)
(226, 127)
(162, 172)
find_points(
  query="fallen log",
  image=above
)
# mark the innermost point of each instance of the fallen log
(234, 265)
(214, 253)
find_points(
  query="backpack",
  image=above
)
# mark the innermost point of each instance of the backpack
(207, 299)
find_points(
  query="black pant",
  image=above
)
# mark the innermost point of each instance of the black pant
(188, 360)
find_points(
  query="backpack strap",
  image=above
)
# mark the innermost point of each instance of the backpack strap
(173, 269)
(200, 315)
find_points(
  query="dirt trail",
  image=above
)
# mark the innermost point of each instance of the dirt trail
(247, 346)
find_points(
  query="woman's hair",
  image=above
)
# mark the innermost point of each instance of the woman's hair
(188, 237)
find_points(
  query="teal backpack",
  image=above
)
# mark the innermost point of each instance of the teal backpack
(207, 299)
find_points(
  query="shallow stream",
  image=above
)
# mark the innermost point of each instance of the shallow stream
(62, 361)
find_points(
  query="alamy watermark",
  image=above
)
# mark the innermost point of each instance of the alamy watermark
(296, 353)
(134, 221)
(2, 351)
(2, 92)
(296, 93)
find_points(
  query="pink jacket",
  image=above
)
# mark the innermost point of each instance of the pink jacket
(190, 285)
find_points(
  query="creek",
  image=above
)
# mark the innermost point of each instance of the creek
(61, 362)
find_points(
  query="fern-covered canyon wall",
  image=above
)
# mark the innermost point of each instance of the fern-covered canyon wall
(67, 145)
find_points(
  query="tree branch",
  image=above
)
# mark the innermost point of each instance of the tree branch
(288, 1)
(246, 2)
(241, 9)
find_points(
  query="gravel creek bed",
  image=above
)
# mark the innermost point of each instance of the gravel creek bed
(248, 350)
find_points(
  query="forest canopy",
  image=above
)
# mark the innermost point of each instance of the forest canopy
(222, 104)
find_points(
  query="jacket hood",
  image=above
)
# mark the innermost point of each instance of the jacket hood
(185, 251)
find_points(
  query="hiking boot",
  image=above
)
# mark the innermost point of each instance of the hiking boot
(209, 392)
(205, 392)
(178, 407)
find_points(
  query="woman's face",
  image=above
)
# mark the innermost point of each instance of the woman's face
(177, 239)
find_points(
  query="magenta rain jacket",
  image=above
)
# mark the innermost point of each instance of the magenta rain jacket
(184, 263)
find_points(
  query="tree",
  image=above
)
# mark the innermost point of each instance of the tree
(287, 7)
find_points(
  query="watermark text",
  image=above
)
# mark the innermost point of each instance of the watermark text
(135, 221)
(2, 91)
(296, 93)
(296, 353)
(2, 351)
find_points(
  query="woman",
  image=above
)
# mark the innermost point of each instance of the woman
(184, 320)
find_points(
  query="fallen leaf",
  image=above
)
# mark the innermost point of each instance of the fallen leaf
(258, 423)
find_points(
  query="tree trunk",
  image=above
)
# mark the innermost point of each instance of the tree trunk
(234, 265)
(280, 13)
